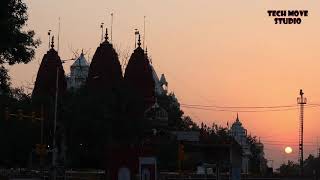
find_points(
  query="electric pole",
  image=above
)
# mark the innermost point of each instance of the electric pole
(301, 101)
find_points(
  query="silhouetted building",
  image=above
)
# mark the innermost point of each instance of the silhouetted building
(240, 135)
(50, 80)
(78, 73)
(105, 69)
(45, 85)
(139, 78)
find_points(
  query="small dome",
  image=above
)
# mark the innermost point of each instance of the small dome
(80, 62)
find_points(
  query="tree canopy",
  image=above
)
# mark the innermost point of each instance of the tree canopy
(17, 45)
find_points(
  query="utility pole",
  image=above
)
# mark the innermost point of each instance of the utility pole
(301, 101)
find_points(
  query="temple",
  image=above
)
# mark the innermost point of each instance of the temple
(240, 135)
(50, 68)
(105, 69)
(139, 76)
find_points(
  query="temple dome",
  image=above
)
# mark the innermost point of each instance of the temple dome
(80, 62)
(78, 73)
(105, 69)
(45, 85)
(138, 76)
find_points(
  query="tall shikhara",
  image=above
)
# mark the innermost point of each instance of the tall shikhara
(46, 82)
(138, 76)
(48, 87)
(105, 69)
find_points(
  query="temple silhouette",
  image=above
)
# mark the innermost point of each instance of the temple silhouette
(134, 108)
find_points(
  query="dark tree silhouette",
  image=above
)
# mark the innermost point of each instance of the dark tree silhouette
(16, 45)
(4, 81)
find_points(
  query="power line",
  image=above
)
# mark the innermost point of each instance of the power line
(295, 145)
(240, 107)
(228, 110)
(271, 141)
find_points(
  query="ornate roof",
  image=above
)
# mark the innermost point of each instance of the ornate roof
(45, 85)
(105, 69)
(138, 76)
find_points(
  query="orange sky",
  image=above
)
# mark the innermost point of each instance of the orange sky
(226, 53)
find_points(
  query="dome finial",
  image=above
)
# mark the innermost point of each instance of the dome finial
(237, 117)
(139, 41)
(52, 42)
(106, 36)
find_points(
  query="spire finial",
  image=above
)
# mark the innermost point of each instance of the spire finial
(237, 117)
(139, 41)
(52, 42)
(106, 36)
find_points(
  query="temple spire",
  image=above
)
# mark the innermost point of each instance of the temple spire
(237, 117)
(106, 36)
(52, 42)
(139, 41)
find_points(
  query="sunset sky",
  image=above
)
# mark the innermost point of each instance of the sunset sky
(224, 53)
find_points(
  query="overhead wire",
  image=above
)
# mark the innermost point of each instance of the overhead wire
(248, 108)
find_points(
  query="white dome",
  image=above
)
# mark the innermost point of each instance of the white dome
(80, 62)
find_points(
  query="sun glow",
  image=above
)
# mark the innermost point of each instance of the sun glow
(288, 150)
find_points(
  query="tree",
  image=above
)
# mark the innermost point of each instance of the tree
(289, 169)
(4, 81)
(17, 137)
(16, 45)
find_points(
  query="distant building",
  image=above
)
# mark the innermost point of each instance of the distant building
(240, 135)
(78, 73)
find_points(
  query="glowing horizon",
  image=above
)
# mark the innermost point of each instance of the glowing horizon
(212, 53)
